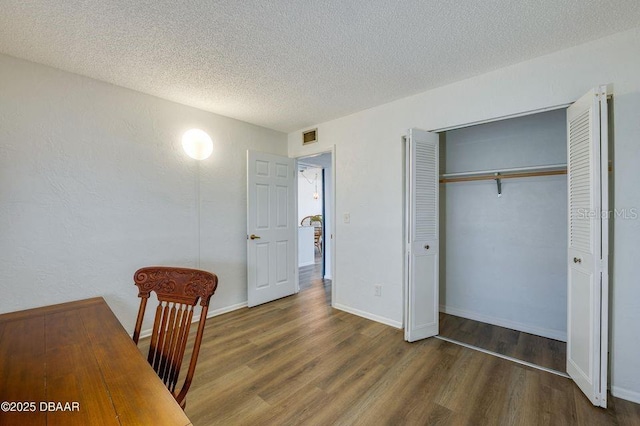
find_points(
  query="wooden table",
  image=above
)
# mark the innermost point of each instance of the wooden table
(78, 353)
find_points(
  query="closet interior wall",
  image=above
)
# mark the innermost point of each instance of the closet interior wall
(503, 259)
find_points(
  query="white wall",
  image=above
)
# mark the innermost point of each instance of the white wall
(94, 184)
(307, 205)
(504, 258)
(369, 144)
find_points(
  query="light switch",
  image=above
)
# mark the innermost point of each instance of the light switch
(347, 217)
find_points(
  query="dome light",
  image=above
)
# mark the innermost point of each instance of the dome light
(197, 144)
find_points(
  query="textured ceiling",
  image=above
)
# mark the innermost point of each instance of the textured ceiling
(288, 64)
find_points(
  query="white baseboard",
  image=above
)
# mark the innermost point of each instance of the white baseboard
(328, 277)
(210, 314)
(625, 394)
(538, 331)
(368, 315)
(226, 309)
(300, 265)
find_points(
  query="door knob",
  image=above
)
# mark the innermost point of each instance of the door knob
(577, 260)
(254, 237)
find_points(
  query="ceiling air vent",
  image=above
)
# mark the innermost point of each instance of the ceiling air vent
(310, 136)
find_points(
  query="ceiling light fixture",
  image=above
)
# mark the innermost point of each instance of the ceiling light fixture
(315, 181)
(197, 144)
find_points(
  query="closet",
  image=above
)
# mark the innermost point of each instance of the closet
(504, 227)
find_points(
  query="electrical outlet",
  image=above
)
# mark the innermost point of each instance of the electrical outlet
(346, 217)
(378, 289)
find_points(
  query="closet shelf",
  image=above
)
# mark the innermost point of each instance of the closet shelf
(499, 174)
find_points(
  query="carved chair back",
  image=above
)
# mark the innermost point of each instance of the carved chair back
(178, 291)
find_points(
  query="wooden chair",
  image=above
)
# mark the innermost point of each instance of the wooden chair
(178, 291)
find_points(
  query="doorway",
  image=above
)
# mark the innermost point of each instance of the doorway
(314, 218)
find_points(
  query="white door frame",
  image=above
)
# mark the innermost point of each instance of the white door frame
(332, 211)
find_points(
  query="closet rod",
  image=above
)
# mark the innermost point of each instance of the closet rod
(511, 170)
(509, 176)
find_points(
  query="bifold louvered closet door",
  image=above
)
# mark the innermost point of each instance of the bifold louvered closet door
(421, 235)
(587, 293)
(587, 255)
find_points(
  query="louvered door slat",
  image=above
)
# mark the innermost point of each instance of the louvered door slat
(580, 183)
(426, 181)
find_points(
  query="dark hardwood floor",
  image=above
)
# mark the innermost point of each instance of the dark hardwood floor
(297, 361)
(527, 347)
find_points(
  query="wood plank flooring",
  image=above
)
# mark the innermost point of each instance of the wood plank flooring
(537, 350)
(297, 361)
(312, 275)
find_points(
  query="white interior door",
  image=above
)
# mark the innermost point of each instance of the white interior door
(587, 310)
(271, 230)
(422, 228)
